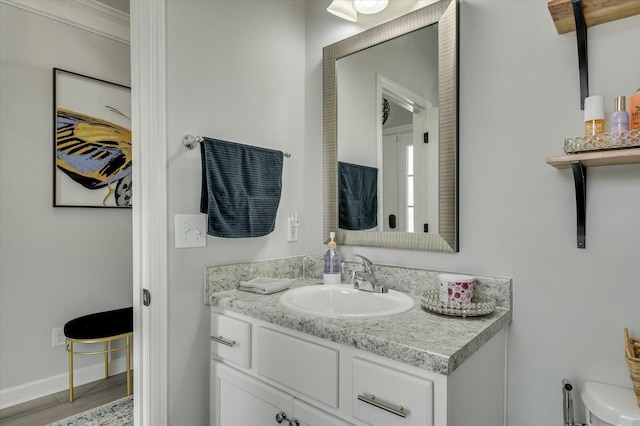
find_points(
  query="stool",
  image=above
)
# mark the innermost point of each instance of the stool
(103, 327)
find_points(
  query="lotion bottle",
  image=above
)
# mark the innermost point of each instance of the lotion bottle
(332, 265)
(620, 117)
(594, 115)
(634, 111)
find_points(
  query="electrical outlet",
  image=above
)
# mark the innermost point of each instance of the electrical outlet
(292, 226)
(57, 337)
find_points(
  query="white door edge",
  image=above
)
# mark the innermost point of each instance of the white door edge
(148, 83)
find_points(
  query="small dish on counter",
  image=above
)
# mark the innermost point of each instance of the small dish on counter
(431, 302)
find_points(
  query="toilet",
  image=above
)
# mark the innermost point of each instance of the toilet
(609, 405)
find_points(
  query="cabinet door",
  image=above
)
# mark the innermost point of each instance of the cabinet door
(308, 415)
(239, 399)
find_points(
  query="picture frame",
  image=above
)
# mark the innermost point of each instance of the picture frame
(91, 142)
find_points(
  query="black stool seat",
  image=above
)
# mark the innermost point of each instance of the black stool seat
(103, 327)
(100, 325)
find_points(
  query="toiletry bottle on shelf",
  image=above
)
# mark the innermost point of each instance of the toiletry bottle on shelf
(634, 111)
(594, 115)
(332, 267)
(620, 117)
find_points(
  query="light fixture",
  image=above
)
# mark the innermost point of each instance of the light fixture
(368, 7)
(344, 9)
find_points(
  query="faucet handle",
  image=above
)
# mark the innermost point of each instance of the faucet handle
(366, 279)
(366, 263)
(364, 259)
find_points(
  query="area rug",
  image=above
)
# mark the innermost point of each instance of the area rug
(116, 413)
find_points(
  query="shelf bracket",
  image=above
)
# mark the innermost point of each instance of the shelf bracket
(581, 33)
(580, 179)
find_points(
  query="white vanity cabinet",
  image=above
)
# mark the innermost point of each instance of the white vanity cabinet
(265, 374)
(244, 400)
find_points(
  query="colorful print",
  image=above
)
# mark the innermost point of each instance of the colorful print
(95, 153)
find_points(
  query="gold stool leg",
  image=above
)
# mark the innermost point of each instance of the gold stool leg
(70, 350)
(128, 364)
(106, 359)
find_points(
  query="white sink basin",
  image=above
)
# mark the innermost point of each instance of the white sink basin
(343, 301)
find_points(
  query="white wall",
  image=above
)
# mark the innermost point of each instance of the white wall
(519, 97)
(55, 263)
(235, 72)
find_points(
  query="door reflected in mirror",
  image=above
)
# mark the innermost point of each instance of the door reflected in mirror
(409, 165)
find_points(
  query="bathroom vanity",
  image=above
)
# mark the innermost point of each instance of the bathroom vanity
(270, 365)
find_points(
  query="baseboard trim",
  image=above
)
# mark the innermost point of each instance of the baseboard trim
(50, 385)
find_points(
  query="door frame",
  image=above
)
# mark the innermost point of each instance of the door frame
(407, 99)
(149, 105)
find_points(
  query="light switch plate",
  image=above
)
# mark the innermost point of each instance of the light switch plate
(191, 230)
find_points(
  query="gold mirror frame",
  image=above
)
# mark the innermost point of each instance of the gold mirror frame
(445, 14)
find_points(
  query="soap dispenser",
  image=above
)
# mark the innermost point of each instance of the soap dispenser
(332, 266)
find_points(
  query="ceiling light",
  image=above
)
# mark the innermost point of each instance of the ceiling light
(370, 6)
(344, 9)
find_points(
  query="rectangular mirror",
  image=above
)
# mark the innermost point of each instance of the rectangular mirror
(391, 133)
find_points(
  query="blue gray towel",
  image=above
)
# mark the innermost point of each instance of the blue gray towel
(358, 196)
(241, 187)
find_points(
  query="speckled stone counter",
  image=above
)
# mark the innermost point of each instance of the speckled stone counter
(434, 342)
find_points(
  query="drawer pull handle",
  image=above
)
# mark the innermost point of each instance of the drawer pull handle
(398, 410)
(220, 339)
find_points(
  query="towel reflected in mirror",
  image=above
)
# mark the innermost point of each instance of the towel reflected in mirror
(358, 196)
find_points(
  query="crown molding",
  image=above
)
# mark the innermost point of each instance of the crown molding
(88, 15)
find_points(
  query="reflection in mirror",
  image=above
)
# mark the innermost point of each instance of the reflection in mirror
(373, 136)
(357, 196)
(390, 104)
(408, 148)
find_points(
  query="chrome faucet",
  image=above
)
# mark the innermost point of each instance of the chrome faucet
(365, 280)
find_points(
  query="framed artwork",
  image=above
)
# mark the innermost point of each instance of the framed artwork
(91, 142)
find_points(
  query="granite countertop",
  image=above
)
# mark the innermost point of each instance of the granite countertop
(426, 340)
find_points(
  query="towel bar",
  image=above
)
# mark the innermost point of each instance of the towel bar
(191, 142)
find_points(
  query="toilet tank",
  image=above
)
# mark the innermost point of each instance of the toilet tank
(609, 405)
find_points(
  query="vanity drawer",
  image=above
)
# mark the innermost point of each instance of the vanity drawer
(303, 366)
(231, 339)
(383, 396)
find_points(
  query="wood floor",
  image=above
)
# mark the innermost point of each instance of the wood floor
(48, 409)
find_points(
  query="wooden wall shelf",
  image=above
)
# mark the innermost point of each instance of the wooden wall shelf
(578, 163)
(577, 15)
(597, 158)
(595, 12)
